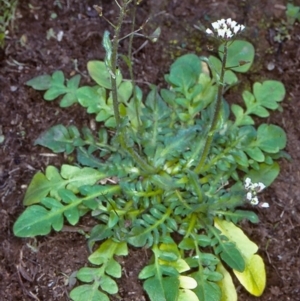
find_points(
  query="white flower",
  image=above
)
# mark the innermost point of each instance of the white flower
(229, 33)
(236, 29)
(261, 186)
(225, 29)
(228, 21)
(221, 22)
(264, 205)
(233, 24)
(215, 26)
(209, 31)
(247, 183)
(254, 201)
(221, 33)
(252, 190)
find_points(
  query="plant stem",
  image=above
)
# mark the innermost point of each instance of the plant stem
(138, 159)
(216, 113)
(136, 104)
(114, 59)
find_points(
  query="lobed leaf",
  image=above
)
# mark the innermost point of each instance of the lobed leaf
(37, 220)
(60, 139)
(87, 293)
(40, 83)
(236, 235)
(271, 138)
(71, 177)
(206, 290)
(269, 93)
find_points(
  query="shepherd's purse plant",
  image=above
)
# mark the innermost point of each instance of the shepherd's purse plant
(173, 171)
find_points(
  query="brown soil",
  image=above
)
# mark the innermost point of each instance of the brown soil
(40, 269)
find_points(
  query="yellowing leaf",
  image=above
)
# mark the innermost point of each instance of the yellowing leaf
(236, 235)
(187, 282)
(226, 284)
(181, 265)
(254, 276)
(187, 295)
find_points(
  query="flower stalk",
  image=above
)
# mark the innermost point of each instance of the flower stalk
(224, 30)
(112, 61)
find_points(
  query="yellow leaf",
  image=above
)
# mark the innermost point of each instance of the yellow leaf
(254, 276)
(187, 282)
(236, 235)
(226, 284)
(187, 295)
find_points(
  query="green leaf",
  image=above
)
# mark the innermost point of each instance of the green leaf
(41, 185)
(60, 139)
(71, 177)
(108, 285)
(57, 86)
(236, 235)
(125, 90)
(138, 237)
(106, 251)
(98, 233)
(154, 288)
(232, 256)
(87, 274)
(87, 293)
(176, 144)
(265, 174)
(114, 269)
(271, 138)
(240, 55)
(240, 116)
(80, 176)
(254, 106)
(35, 220)
(227, 250)
(104, 256)
(255, 153)
(239, 215)
(99, 73)
(269, 93)
(184, 72)
(215, 64)
(168, 96)
(70, 97)
(95, 100)
(162, 289)
(147, 272)
(206, 290)
(40, 83)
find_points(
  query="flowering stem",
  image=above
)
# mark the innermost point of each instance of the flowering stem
(216, 114)
(121, 130)
(114, 58)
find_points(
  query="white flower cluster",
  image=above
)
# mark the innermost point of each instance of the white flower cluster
(253, 189)
(225, 29)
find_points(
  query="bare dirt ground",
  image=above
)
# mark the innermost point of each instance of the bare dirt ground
(40, 269)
